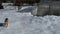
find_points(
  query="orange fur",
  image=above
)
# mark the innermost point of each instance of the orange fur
(6, 22)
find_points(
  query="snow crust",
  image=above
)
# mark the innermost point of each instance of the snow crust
(25, 23)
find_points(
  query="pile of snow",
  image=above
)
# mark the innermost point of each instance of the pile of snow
(10, 8)
(27, 9)
(23, 8)
(25, 23)
(7, 4)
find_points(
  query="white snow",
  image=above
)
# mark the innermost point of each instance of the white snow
(25, 23)
(25, 7)
(7, 4)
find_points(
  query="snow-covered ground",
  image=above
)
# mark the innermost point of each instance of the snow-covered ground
(25, 23)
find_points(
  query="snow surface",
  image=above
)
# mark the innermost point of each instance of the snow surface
(25, 23)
